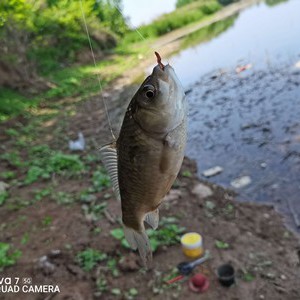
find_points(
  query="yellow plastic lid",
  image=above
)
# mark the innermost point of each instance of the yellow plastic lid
(191, 240)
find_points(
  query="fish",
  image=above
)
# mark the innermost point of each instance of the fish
(145, 160)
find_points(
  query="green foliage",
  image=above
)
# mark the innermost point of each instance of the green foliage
(13, 158)
(7, 258)
(274, 2)
(89, 258)
(47, 221)
(45, 162)
(100, 180)
(8, 175)
(176, 19)
(221, 245)
(50, 25)
(248, 277)
(3, 196)
(169, 234)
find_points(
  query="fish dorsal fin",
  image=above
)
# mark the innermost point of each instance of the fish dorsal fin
(109, 158)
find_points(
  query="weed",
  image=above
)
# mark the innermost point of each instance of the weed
(25, 238)
(112, 265)
(45, 162)
(12, 132)
(89, 258)
(8, 175)
(169, 234)
(248, 277)
(3, 196)
(131, 294)
(63, 198)
(100, 180)
(116, 291)
(187, 173)
(13, 158)
(40, 194)
(6, 258)
(47, 221)
(221, 245)
(94, 211)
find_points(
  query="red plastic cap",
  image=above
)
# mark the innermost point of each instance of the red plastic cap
(198, 283)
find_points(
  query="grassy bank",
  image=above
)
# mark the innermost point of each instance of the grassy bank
(80, 80)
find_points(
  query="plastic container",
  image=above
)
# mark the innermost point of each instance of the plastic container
(192, 244)
(226, 275)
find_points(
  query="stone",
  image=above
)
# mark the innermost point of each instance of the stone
(202, 191)
(241, 182)
(212, 171)
(3, 186)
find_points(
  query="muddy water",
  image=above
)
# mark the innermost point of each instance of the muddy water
(249, 122)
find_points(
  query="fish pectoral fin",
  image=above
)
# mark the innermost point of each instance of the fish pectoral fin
(152, 218)
(109, 158)
(139, 240)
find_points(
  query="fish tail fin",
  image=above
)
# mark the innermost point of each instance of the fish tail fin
(139, 240)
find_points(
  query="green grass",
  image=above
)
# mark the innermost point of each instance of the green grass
(13, 103)
(193, 12)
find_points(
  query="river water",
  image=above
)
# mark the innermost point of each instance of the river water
(247, 121)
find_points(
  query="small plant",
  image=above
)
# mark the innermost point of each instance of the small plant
(40, 194)
(47, 221)
(221, 245)
(94, 211)
(131, 294)
(13, 158)
(7, 259)
(25, 238)
(248, 277)
(112, 265)
(8, 175)
(187, 173)
(89, 258)
(3, 196)
(63, 198)
(100, 180)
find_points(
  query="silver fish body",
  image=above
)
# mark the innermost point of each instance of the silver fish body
(148, 153)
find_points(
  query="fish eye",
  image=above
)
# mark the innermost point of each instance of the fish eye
(149, 91)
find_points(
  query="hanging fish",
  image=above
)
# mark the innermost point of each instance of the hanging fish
(146, 158)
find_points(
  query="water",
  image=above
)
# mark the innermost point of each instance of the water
(248, 122)
(261, 35)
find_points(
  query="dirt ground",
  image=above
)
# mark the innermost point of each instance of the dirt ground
(265, 254)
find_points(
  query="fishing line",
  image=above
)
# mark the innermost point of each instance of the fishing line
(98, 76)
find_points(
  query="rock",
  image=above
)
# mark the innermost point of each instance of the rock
(212, 171)
(282, 277)
(79, 144)
(202, 191)
(3, 186)
(54, 253)
(241, 182)
(263, 165)
(174, 194)
(45, 265)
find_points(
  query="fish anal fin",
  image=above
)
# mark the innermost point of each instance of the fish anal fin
(139, 240)
(109, 158)
(152, 218)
